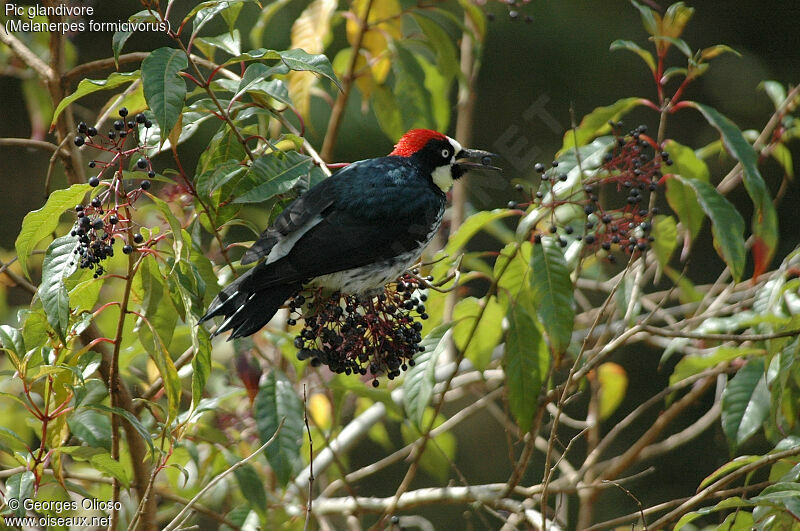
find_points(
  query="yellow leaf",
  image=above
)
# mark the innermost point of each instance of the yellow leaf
(363, 75)
(675, 20)
(308, 33)
(319, 407)
(374, 42)
(613, 382)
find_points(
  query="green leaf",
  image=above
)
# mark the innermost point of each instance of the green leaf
(42, 222)
(157, 307)
(714, 51)
(727, 225)
(277, 400)
(91, 428)
(294, 59)
(20, 487)
(765, 218)
(164, 90)
(646, 56)
(118, 40)
(254, 81)
(728, 468)
(596, 123)
(412, 97)
(34, 328)
(675, 19)
(477, 333)
(697, 363)
(419, 380)
(174, 225)
(59, 263)
(11, 438)
(673, 71)
(204, 12)
(512, 277)
(229, 42)
(84, 295)
(99, 458)
(218, 176)
(775, 91)
(665, 232)
(552, 293)
(728, 503)
(13, 342)
(224, 148)
(440, 43)
(250, 484)
(387, 112)
(680, 44)
(783, 156)
(89, 86)
(682, 198)
(272, 174)
(526, 363)
(438, 87)
(128, 416)
(472, 225)
(191, 287)
(201, 362)
(686, 162)
(648, 17)
(264, 17)
(745, 403)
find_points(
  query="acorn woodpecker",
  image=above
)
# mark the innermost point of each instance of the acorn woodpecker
(352, 233)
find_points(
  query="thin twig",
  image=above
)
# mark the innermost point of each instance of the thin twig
(51, 165)
(310, 462)
(719, 337)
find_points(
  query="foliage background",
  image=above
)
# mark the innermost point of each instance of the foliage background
(563, 55)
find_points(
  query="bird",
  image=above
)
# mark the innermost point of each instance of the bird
(352, 233)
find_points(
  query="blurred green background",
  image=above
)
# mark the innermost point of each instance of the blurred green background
(560, 61)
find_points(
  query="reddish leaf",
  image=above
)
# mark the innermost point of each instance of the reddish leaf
(761, 257)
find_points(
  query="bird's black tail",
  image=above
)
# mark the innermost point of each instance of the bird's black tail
(246, 311)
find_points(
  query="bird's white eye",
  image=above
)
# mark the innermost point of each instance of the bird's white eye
(446, 153)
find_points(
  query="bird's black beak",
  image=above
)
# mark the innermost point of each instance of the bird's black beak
(484, 164)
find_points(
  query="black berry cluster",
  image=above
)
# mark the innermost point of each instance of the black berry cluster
(622, 221)
(114, 141)
(94, 243)
(361, 335)
(105, 218)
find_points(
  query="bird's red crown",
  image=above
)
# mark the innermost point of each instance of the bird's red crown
(414, 140)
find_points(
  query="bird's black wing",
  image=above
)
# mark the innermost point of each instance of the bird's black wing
(295, 217)
(380, 210)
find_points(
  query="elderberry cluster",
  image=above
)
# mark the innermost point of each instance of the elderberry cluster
(359, 335)
(93, 245)
(106, 216)
(113, 142)
(623, 220)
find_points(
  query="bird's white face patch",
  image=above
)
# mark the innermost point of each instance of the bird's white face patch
(443, 175)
